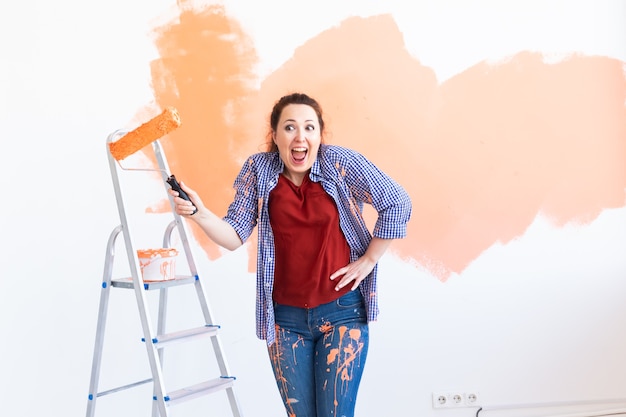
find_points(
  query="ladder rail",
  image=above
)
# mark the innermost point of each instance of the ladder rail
(202, 298)
(140, 295)
(100, 329)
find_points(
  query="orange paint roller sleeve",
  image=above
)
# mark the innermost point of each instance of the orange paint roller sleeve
(145, 134)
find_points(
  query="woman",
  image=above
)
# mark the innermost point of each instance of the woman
(316, 266)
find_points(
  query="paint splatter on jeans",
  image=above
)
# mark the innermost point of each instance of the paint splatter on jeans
(319, 355)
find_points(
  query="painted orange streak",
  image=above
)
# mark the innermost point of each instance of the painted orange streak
(294, 346)
(355, 334)
(326, 327)
(351, 349)
(276, 356)
(481, 154)
(332, 356)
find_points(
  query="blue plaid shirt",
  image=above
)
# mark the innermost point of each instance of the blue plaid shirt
(351, 180)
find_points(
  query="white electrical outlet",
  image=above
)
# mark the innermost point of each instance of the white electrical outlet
(455, 399)
(472, 399)
(440, 400)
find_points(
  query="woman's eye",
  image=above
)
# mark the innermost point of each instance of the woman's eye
(310, 127)
(289, 128)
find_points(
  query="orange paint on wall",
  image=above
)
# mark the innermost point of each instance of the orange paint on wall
(205, 69)
(481, 154)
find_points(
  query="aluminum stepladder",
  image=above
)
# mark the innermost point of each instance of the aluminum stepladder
(156, 341)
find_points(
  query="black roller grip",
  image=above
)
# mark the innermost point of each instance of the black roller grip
(176, 187)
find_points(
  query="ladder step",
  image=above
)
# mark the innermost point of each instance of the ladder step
(154, 285)
(203, 388)
(184, 335)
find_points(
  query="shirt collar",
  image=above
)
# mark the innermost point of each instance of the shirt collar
(278, 164)
(316, 168)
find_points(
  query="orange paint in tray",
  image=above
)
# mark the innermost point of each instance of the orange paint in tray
(157, 264)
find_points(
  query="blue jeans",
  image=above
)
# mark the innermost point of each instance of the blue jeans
(319, 355)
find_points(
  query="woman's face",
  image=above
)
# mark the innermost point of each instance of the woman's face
(298, 138)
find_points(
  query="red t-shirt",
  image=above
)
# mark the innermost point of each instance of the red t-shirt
(309, 244)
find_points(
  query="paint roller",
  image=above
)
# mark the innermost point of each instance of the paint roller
(145, 134)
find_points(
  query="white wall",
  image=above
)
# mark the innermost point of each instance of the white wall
(540, 319)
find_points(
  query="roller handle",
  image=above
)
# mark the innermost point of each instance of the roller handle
(182, 194)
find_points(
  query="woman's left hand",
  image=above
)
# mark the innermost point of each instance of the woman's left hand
(354, 272)
(359, 269)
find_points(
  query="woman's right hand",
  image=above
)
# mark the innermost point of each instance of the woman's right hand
(216, 228)
(183, 207)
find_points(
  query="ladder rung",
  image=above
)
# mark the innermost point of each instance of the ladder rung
(184, 335)
(153, 285)
(203, 388)
(121, 388)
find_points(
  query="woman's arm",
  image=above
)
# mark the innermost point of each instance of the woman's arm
(368, 184)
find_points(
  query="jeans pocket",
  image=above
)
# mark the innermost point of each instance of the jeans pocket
(351, 299)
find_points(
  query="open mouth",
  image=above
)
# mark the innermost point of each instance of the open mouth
(299, 154)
